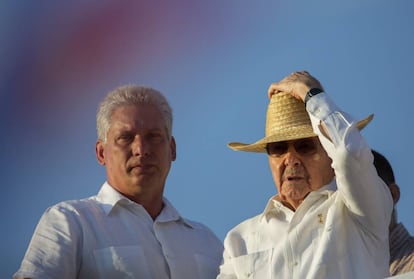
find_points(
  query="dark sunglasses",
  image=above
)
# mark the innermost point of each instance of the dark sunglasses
(304, 147)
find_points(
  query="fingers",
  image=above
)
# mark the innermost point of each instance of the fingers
(288, 84)
(299, 76)
(297, 84)
(275, 88)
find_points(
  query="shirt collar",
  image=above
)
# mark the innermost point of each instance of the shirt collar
(169, 214)
(275, 206)
(109, 198)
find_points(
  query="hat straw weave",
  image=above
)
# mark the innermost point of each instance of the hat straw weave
(286, 119)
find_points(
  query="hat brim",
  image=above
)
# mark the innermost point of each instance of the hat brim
(288, 134)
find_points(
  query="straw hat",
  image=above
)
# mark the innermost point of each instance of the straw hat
(286, 119)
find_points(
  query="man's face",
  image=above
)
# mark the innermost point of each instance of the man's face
(138, 152)
(299, 167)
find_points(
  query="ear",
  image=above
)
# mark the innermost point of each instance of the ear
(395, 192)
(99, 150)
(173, 149)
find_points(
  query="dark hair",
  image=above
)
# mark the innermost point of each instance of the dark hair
(383, 167)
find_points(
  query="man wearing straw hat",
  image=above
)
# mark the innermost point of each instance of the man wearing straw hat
(331, 214)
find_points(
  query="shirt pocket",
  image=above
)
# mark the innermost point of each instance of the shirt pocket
(254, 265)
(208, 268)
(121, 262)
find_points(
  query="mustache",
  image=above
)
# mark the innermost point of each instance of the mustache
(293, 172)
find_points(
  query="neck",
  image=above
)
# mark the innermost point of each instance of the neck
(153, 206)
(394, 221)
(291, 204)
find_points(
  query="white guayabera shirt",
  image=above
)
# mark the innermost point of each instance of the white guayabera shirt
(339, 231)
(109, 236)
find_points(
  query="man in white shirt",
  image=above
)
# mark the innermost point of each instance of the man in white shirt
(129, 229)
(331, 214)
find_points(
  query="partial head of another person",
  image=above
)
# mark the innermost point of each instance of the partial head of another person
(385, 171)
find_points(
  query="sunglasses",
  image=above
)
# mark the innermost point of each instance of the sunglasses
(304, 147)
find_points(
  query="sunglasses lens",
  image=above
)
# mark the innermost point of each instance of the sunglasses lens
(277, 148)
(302, 147)
(305, 147)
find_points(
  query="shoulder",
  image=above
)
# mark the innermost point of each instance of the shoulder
(199, 227)
(201, 238)
(244, 228)
(203, 232)
(72, 209)
(75, 205)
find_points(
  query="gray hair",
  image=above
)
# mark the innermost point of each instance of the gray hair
(131, 95)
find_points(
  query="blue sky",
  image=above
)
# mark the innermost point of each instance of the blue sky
(214, 60)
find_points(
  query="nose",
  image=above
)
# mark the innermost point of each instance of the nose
(291, 157)
(139, 147)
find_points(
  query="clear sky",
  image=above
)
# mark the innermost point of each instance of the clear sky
(214, 60)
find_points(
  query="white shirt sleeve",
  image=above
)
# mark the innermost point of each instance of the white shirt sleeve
(362, 190)
(53, 250)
